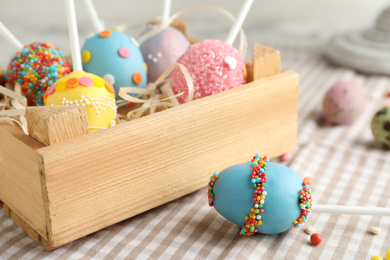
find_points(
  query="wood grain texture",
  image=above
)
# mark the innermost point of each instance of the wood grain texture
(54, 124)
(99, 179)
(20, 180)
(266, 62)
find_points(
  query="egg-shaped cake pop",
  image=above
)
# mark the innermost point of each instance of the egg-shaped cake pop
(116, 58)
(260, 196)
(35, 68)
(344, 102)
(380, 126)
(162, 50)
(214, 66)
(89, 90)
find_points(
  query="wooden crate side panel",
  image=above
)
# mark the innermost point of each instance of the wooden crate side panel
(98, 179)
(20, 182)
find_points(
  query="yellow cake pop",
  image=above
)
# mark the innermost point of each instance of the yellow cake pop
(89, 90)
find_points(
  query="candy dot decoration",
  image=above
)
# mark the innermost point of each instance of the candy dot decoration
(344, 102)
(380, 126)
(261, 197)
(88, 90)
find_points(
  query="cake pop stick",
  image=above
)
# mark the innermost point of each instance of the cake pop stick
(73, 35)
(166, 10)
(10, 38)
(355, 210)
(240, 20)
(113, 56)
(93, 16)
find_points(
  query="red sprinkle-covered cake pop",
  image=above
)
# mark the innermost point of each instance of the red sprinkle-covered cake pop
(214, 66)
(35, 67)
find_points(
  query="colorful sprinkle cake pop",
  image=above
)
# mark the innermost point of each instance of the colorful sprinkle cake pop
(162, 50)
(260, 196)
(344, 102)
(380, 126)
(214, 66)
(36, 67)
(89, 90)
(116, 58)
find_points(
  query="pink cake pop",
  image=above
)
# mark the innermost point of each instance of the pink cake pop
(214, 65)
(35, 67)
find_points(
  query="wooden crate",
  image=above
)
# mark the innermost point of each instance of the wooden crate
(61, 192)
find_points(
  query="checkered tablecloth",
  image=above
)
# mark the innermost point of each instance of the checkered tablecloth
(346, 165)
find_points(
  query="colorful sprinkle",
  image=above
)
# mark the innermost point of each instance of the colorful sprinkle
(258, 179)
(137, 78)
(315, 239)
(124, 52)
(36, 67)
(86, 56)
(86, 81)
(105, 34)
(305, 204)
(210, 189)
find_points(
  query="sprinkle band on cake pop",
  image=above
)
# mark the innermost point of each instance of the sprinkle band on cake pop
(305, 204)
(258, 179)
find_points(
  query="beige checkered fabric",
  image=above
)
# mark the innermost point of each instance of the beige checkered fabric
(346, 165)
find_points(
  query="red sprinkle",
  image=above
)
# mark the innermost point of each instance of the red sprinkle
(315, 239)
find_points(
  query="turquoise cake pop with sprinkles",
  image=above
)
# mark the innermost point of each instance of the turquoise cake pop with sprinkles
(113, 56)
(269, 198)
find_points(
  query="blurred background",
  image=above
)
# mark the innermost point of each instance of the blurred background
(304, 22)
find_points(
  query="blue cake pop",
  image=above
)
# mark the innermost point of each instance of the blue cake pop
(260, 196)
(116, 58)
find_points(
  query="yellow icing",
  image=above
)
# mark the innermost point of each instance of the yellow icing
(98, 101)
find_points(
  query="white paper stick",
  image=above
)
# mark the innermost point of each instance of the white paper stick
(166, 10)
(238, 23)
(10, 38)
(93, 16)
(73, 35)
(355, 210)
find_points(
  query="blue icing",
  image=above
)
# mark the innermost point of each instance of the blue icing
(233, 193)
(105, 59)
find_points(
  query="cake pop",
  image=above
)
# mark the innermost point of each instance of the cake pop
(79, 87)
(344, 102)
(35, 67)
(214, 65)
(163, 48)
(380, 126)
(269, 198)
(113, 56)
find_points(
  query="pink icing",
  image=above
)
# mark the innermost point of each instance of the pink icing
(51, 89)
(86, 81)
(124, 52)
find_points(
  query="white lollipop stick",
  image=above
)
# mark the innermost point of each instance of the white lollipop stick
(240, 20)
(356, 210)
(166, 10)
(93, 16)
(73, 35)
(10, 38)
